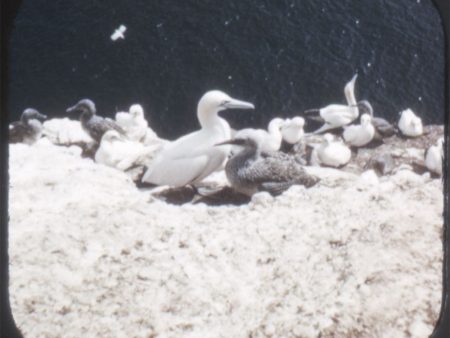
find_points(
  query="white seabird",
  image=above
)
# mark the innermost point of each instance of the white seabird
(270, 139)
(292, 130)
(382, 127)
(119, 33)
(192, 157)
(338, 115)
(135, 124)
(434, 156)
(410, 124)
(117, 152)
(252, 170)
(359, 135)
(331, 153)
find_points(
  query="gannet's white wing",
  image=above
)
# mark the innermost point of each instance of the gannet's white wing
(337, 112)
(186, 160)
(181, 171)
(351, 133)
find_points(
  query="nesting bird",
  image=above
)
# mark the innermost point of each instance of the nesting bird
(338, 115)
(122, 154)
(382, 127)
(94, 125)
(193, 157)
(270, 139)
(434, 156)
(134, 123)
(29, 129)
(410, 124)
(251, 170)
(359, 135)
(292, 130)
(331, 153)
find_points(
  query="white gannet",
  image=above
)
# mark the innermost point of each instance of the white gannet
(94, 125)
(331, 153)
(434, 156)
(270, 139)
(134, 123)
(119, 33)
(192, 157)
(292, 130)
(29, 129)
(251, 170)
(359, 135)
(338, 115)
(117, 152)
(382, 127)
(410, 124)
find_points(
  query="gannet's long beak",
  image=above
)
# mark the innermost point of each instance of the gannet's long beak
(72, 109)
(41, 116)
(236, 141)
(238, 104)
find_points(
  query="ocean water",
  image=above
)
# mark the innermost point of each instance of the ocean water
(284, 56)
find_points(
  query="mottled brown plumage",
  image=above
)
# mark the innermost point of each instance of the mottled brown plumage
(94, 125)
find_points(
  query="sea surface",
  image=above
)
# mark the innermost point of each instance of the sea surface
(284, 56)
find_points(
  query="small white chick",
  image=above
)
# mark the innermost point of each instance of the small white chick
(270, 139)
(292, 130)
(434, 156)
(360, 135)
(331, 153)
(134, 123)
(116, 152)
(410, 124)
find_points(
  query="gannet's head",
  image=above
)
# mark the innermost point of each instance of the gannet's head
(276, 123)
(298, 121)
(365, 107)
(30, 114)
(83, 106)
(215, 101)
(136, 110)
(407, 114)
(366, 119)
(351, 84)
(111, 136)
(328, 138)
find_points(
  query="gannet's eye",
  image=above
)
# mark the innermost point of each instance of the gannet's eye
(224, 102)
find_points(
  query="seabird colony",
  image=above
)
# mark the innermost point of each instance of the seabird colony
(256, 162)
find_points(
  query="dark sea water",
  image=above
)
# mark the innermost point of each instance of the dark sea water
(284, 56)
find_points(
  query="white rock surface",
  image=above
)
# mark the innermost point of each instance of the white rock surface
(92, 256)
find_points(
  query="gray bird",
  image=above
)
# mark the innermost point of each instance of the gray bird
(29, 129)
(93, 124)
(251, 170)
(382, 127)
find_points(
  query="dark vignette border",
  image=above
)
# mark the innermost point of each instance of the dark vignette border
(8, 11)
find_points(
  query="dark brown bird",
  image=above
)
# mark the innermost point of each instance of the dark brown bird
(93, 124)
(29, 129)
(250, 170)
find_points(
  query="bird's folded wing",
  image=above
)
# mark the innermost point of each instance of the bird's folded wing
(176, 172)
